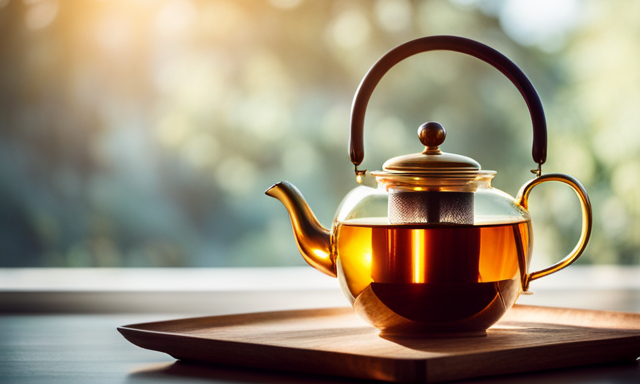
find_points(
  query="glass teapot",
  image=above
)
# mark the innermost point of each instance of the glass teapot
(434, 249)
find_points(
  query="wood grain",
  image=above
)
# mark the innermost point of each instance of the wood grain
(335, 341)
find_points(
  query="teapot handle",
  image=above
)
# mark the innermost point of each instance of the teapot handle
(587, 221)
(446, 43)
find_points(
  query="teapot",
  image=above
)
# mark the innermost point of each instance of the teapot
(434, 249)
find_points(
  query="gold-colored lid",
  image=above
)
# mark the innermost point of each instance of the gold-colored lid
(432, 161)
(431, 170)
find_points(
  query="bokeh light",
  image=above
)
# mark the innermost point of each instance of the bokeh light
(143, 133)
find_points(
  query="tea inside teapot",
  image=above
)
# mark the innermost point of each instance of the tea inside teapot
(456, 278)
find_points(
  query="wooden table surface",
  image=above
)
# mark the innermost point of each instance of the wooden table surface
(79, 343)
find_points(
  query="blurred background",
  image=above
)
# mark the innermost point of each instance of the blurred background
(140, 133)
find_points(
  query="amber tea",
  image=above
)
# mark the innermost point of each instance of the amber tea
(433, 273)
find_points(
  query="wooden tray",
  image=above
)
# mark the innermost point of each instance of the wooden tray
(335, 341)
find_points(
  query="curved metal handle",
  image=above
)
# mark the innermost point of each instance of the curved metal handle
(587, 221)
(447, 43)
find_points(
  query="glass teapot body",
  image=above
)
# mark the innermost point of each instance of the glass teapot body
(436, 277)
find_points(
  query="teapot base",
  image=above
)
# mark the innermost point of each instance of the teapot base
(436, 310)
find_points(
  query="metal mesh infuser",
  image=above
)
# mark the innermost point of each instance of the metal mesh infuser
(431, 207)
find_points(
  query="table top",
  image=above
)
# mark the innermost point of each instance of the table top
(72, 347)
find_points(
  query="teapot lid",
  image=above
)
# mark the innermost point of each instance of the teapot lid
(432, 162)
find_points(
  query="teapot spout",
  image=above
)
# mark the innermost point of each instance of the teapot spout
(314, 240)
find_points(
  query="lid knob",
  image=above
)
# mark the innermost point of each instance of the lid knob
(431, 135)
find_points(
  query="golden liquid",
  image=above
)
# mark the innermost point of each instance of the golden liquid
(433, 273)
